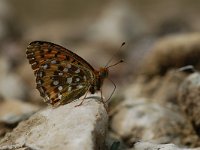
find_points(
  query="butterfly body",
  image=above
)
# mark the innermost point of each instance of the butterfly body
(99, 78)
(61, 75)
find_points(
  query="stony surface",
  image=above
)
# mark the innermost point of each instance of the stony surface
(152, 146)
(10, 80)
(172, 52)
(12, 112)
(64, 127)
(189, 99)
(117, 19)
(150, 111)
(144, 120)
(4, 14)
(160, 89)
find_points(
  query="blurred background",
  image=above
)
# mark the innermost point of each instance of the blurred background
(92, 29)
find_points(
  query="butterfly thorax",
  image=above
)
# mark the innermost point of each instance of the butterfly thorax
(100, 75)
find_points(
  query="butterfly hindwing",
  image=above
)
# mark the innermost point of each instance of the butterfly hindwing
(61, 75)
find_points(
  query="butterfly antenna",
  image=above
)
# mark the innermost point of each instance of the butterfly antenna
(114, 54)
(121, 61)
(112, 91)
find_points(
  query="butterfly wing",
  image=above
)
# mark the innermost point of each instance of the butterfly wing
(61, 75)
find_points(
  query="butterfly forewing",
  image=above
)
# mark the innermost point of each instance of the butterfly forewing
(61, 75)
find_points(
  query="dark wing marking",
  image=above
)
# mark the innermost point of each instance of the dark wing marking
(61, 75)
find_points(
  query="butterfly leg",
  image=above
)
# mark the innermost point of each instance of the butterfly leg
(82, 99)
(104, 103)
(80, 102)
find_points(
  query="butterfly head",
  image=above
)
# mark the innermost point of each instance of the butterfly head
(103, 73)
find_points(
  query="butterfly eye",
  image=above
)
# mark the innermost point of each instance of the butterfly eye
(103, 74)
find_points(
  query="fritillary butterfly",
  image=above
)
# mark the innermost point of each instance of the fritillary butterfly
(61, 75)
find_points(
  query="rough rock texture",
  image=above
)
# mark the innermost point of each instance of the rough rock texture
(143, 120)
(152, 146)
(150, 111)
(172, 52)
(64, 127)
(160, 89)
(12, 112)
(189, 99)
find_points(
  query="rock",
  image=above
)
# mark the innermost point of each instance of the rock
(114, 142)
(13, 111)
(172, 52)
(150, 111)
(152, 146)
(64, 127)
(174, 25)
(160, 89)
(10, 80)
(3, 129)
(4, 66)
(119, 20)
(189, 99)
(9, 26)
(144, 120)
(4, 14)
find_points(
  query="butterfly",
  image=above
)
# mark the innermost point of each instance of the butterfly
(61, 75)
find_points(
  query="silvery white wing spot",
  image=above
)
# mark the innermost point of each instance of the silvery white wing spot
(61, 75)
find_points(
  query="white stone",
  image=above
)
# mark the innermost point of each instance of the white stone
(64, 127)
(147, 120)
(153, 146)
(13, 111)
